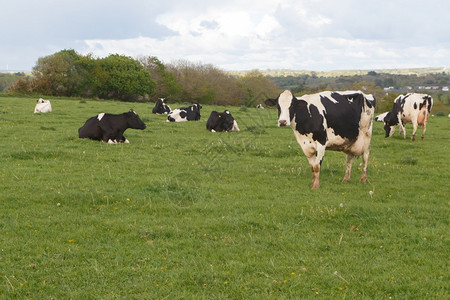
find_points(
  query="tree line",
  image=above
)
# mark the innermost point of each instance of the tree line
(143, 79)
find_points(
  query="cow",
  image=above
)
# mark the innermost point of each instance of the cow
(161, 107)
(218, 122)
(110, 128)
(339, 121)
(43, 106)
(260, 106)
(191, 113)
(410, 108)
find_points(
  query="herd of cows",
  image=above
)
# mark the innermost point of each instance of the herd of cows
(338, 121)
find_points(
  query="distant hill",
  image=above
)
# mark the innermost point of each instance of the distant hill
(337, 73)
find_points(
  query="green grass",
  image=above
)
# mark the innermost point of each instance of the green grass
(184, 213)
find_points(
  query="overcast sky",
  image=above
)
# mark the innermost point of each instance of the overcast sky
(233, 34)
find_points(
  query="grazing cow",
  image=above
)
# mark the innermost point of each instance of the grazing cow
(42, 106)
(339, 121)
(410, 108)
(191, 113)
(221, 122)
(161, 107)
(110, 128)
(260, 106)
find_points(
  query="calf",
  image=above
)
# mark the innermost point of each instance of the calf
(339, 121)
(161, 107)
(191, 113)
(410, 108)
(110, 128)
(221, 122)
(42, 106)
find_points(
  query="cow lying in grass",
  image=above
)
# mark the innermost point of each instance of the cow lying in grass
(110, 128)
(43, 106)
(218, 122)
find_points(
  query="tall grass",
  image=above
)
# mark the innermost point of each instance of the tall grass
(184, 213)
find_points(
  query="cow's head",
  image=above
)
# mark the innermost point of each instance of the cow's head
(161, 107)
(133, 120)
(390, 122)
(229, 123)
(284, 104)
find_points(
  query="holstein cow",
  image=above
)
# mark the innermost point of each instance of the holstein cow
(42, 106)
(161, 107)
(221, 122)
(410, 108)
(339, 121)
(191, 113)
(110, 128)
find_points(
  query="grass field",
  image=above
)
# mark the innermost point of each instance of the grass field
(184, 213)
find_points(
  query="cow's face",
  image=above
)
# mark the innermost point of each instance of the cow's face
(390, 122)
(229, 123)
(284, 103)
(134, 121)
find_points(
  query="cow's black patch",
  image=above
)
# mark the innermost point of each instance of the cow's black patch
(308, 120)
(415, 105)
(342, 115)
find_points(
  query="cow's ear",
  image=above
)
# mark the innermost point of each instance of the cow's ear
(299, 103)
(271, 102)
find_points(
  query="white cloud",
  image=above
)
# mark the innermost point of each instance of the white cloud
(315, 34)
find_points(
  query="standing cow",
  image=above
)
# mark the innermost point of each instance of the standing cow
(410, 108)
(191, 113)
(43, 106)
(218, 122)
(161, 107)
(339, 121)
(110, 128)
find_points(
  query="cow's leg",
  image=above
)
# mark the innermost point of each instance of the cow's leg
(365, 163)
(348, 171)
(413, 136)
(403, 127)
(315, 162)
(424, 128)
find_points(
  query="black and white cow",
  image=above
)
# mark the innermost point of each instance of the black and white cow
(191, 113)
(161, 107)
(218, 122)
(339, 121)
(410, 108)
(110, 128)
(43, 106)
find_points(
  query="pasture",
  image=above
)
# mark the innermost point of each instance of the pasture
(181, 212)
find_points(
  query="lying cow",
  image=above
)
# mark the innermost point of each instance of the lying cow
(161, 107)
(110, 128)
(191, 113)
(410, 108)
(42, 106)
(339, 121)
(218, 122)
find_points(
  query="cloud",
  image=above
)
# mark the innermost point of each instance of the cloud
(233, 35)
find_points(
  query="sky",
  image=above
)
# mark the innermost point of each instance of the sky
(233, 35)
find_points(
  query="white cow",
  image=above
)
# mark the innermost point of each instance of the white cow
(42, 106)
(410, 108)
